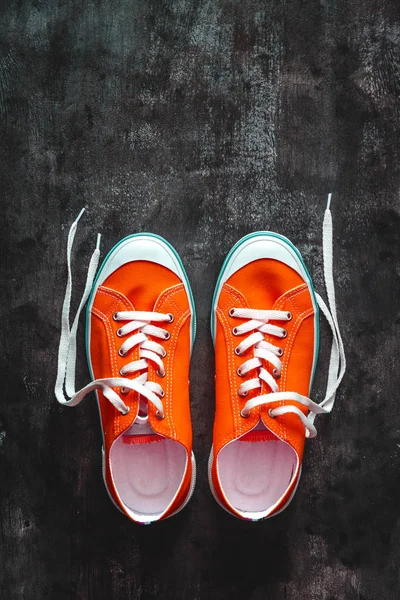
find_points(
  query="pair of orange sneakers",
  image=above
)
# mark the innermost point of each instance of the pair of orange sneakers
(140, 329)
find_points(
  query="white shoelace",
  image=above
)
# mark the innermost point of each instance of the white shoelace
(137, 323)
(258, 324)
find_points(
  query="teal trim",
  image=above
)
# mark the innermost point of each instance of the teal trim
(90, 300)
(287, 241)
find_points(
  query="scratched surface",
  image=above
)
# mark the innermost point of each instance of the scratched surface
(200, 121)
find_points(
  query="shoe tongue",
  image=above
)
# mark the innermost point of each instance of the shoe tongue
(141, 433)
(260, 433)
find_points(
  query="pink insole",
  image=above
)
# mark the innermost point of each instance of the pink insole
(147, 476)
(255, 474)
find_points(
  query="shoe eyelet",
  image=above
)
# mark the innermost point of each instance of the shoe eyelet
(243, 394)
(270, 413)
(171, 317)
(239, 372)
(119, 334)
(235, 331)
(124, 391)
(164, 354)
(231, 312)
(276, 373)
(160, 373)
(160, 416)
(289, 316)
(167, 335)
(122, 372)
(237, 352)
(115, 316)
(280, 351)
(284, 334)
(162, 394)
(245, 413)
(121, 353)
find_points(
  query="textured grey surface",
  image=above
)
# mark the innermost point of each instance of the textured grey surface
(200, 121)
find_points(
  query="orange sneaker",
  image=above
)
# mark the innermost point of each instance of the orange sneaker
(140, 329)
(266, 333)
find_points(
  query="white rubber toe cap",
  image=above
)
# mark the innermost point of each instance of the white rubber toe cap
(141, 247)
(146, 247)
(263, 245)
(255, 246)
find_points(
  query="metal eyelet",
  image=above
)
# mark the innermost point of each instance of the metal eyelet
(162, 394)
(239, 372)
(121, 353)
(119, 334)
(121, 372)
(245, 413)
(235, 331)
(280, 351)
(289, 316)
(124, 391)
(276, 373)
(270, 413)
(237, 351)
(243, 394)
(167, 335)
(231, 312)
(115, 316)
(171, 317)
(160, 373)
(164, 354)
(160, 416)
(284, 334)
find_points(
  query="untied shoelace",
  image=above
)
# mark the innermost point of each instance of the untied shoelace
(136, 324)
(258, 324)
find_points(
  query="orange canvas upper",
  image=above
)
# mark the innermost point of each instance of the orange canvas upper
(269, 285)
(144, 286)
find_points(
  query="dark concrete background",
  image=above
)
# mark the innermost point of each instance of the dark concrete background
(200, 121)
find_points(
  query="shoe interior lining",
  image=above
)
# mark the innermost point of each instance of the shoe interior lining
(147, 476)
(255, 475)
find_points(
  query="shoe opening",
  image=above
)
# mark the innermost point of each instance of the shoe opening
(255, 472)
(147, 470)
